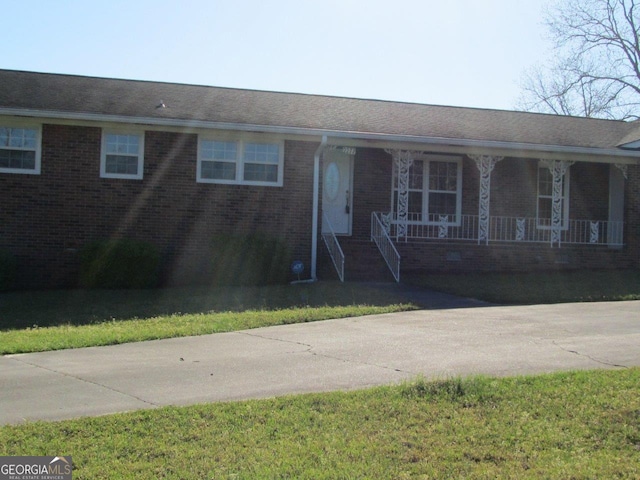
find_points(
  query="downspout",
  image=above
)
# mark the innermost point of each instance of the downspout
(316, 201)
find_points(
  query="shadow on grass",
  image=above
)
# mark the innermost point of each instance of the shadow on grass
(82, 307)
(539, 287)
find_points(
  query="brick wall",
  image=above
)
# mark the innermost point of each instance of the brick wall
(632, 213)
(47, 218)
(371, 188)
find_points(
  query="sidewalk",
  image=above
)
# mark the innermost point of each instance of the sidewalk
(330, 355)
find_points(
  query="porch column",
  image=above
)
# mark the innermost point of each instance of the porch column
(485, 164)
(402, 159)
(558, 168)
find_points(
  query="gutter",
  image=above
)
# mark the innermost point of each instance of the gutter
(365, 137)
(316, 202)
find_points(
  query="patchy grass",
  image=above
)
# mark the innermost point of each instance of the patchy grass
(53, 320)
(535, 288)
(570, 425)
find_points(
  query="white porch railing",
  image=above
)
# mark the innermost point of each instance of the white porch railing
(331, 241)
(511, 229)
(380, 236)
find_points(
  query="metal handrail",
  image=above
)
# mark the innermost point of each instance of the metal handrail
(331, 241)
(511, 229)
(384, 243)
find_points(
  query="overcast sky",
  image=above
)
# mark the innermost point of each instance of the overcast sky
(465, 52)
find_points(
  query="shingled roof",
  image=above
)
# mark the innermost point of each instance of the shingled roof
(42, 92)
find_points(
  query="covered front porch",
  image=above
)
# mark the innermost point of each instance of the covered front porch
(443, 204)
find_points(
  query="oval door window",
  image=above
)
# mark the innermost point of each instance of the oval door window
(332, 181)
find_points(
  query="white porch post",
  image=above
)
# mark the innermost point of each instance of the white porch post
(402, 159)
(558, 168)
(485, 164)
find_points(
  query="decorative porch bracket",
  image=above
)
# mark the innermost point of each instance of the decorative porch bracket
(485, 164)
(623, 168)
(558, 168)
(403, 159)
(345, 150)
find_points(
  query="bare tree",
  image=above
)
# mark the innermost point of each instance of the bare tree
(595, 71)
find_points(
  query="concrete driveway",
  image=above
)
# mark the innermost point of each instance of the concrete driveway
(330, 355)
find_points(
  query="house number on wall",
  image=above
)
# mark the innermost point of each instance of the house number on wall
(332, 181)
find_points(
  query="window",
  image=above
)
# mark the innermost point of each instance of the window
(443, 190)
(435, 186)
(20, 150)
(240, 162)
(122, 155)
(545, 198)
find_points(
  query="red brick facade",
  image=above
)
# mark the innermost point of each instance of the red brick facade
(47, 218)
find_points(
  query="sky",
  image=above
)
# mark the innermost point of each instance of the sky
(470, 53)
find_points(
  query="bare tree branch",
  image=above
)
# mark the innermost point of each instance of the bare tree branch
(595, 70)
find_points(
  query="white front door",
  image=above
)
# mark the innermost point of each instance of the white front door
(337, 191)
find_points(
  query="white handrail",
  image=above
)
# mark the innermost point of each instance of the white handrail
(331, 241)
(384, 243)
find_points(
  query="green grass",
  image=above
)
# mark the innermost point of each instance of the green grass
(53, 320)
(535, 288)
(581, 425)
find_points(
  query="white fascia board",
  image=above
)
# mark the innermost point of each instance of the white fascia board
(620, 155)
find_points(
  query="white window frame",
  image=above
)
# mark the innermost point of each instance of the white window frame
(140, 154)
(240, 162)
(565, 199)
(37, 149)
(427, 159)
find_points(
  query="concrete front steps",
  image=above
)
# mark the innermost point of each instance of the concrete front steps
(363, 262)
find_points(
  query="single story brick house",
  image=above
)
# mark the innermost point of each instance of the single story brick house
(357, 188)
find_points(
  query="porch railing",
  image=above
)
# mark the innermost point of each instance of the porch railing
(331, 241)
(380, 236)
(511, 229)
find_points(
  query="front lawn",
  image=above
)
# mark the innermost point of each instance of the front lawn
(53, 320)
(581, 425)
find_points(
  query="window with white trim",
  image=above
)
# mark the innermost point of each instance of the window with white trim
(240, 162)
(122, 155)
(20, 150)
(435, 190)
(545, 198)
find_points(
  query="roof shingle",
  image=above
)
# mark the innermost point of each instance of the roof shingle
(131, 98)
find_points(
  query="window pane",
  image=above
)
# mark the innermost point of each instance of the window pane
(261, 153)
(442, 204)
(260, 173)
(224, 170)
(218, 170)
(415, 202)
(544, 208)
(212, 150)
(21, 159)
(121, 164)
(443, 176)
(15, 137)
(416, 175)
(122, 144)
(545, 182)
